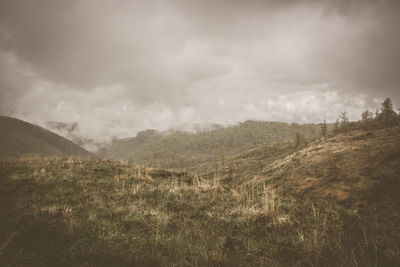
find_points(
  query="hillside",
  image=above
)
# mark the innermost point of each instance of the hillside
(177, 149)
(342, 166)
(349, 166)
(19, 138)
(243, 167)
(333, 202)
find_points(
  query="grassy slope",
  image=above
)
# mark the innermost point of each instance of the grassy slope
(344, 166)
(243, 167)
(182, 149)
(19, 138)
(78, 212)
(351, 161)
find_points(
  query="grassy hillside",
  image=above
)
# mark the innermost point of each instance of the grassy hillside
(344, 166)
(331, 203)
(19, 138)
(183, 149)
(340, 165)
(243, 167)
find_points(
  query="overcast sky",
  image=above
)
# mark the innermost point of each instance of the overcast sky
(117, 67)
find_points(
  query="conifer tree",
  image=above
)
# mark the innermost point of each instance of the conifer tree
(344, 120)
(367, 116)
(386, 114)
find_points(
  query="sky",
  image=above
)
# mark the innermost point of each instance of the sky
(118, 67)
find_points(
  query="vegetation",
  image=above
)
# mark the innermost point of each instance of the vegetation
(307, 207)
(383, 117)
(324, 129)
(332, 201)
(183, 149)
(232, 171)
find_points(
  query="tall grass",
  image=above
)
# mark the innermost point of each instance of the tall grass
(80, 212)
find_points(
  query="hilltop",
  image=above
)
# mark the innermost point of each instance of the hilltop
(179, 149)
(19, 138)
(343, 165)
(348, 166)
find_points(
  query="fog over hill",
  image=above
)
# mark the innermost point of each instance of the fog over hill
(122, 67)
(19, 138)
(73, 132)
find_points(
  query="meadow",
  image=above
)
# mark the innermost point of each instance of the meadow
(92, 212)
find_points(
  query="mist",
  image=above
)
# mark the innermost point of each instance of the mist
(121, 67)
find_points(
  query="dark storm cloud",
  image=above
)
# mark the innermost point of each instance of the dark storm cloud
(362, 51)
(139, 64)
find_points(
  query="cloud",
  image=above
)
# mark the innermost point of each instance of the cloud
(124, 66)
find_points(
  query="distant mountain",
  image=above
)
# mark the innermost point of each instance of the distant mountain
(19, 138)
(71, 131)
(181, 149)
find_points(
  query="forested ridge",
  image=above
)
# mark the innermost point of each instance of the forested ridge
(180, 149)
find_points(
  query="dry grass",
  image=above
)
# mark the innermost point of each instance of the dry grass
(340, 167)
(81, 212)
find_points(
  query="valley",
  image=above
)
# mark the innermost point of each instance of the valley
(328, 201)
